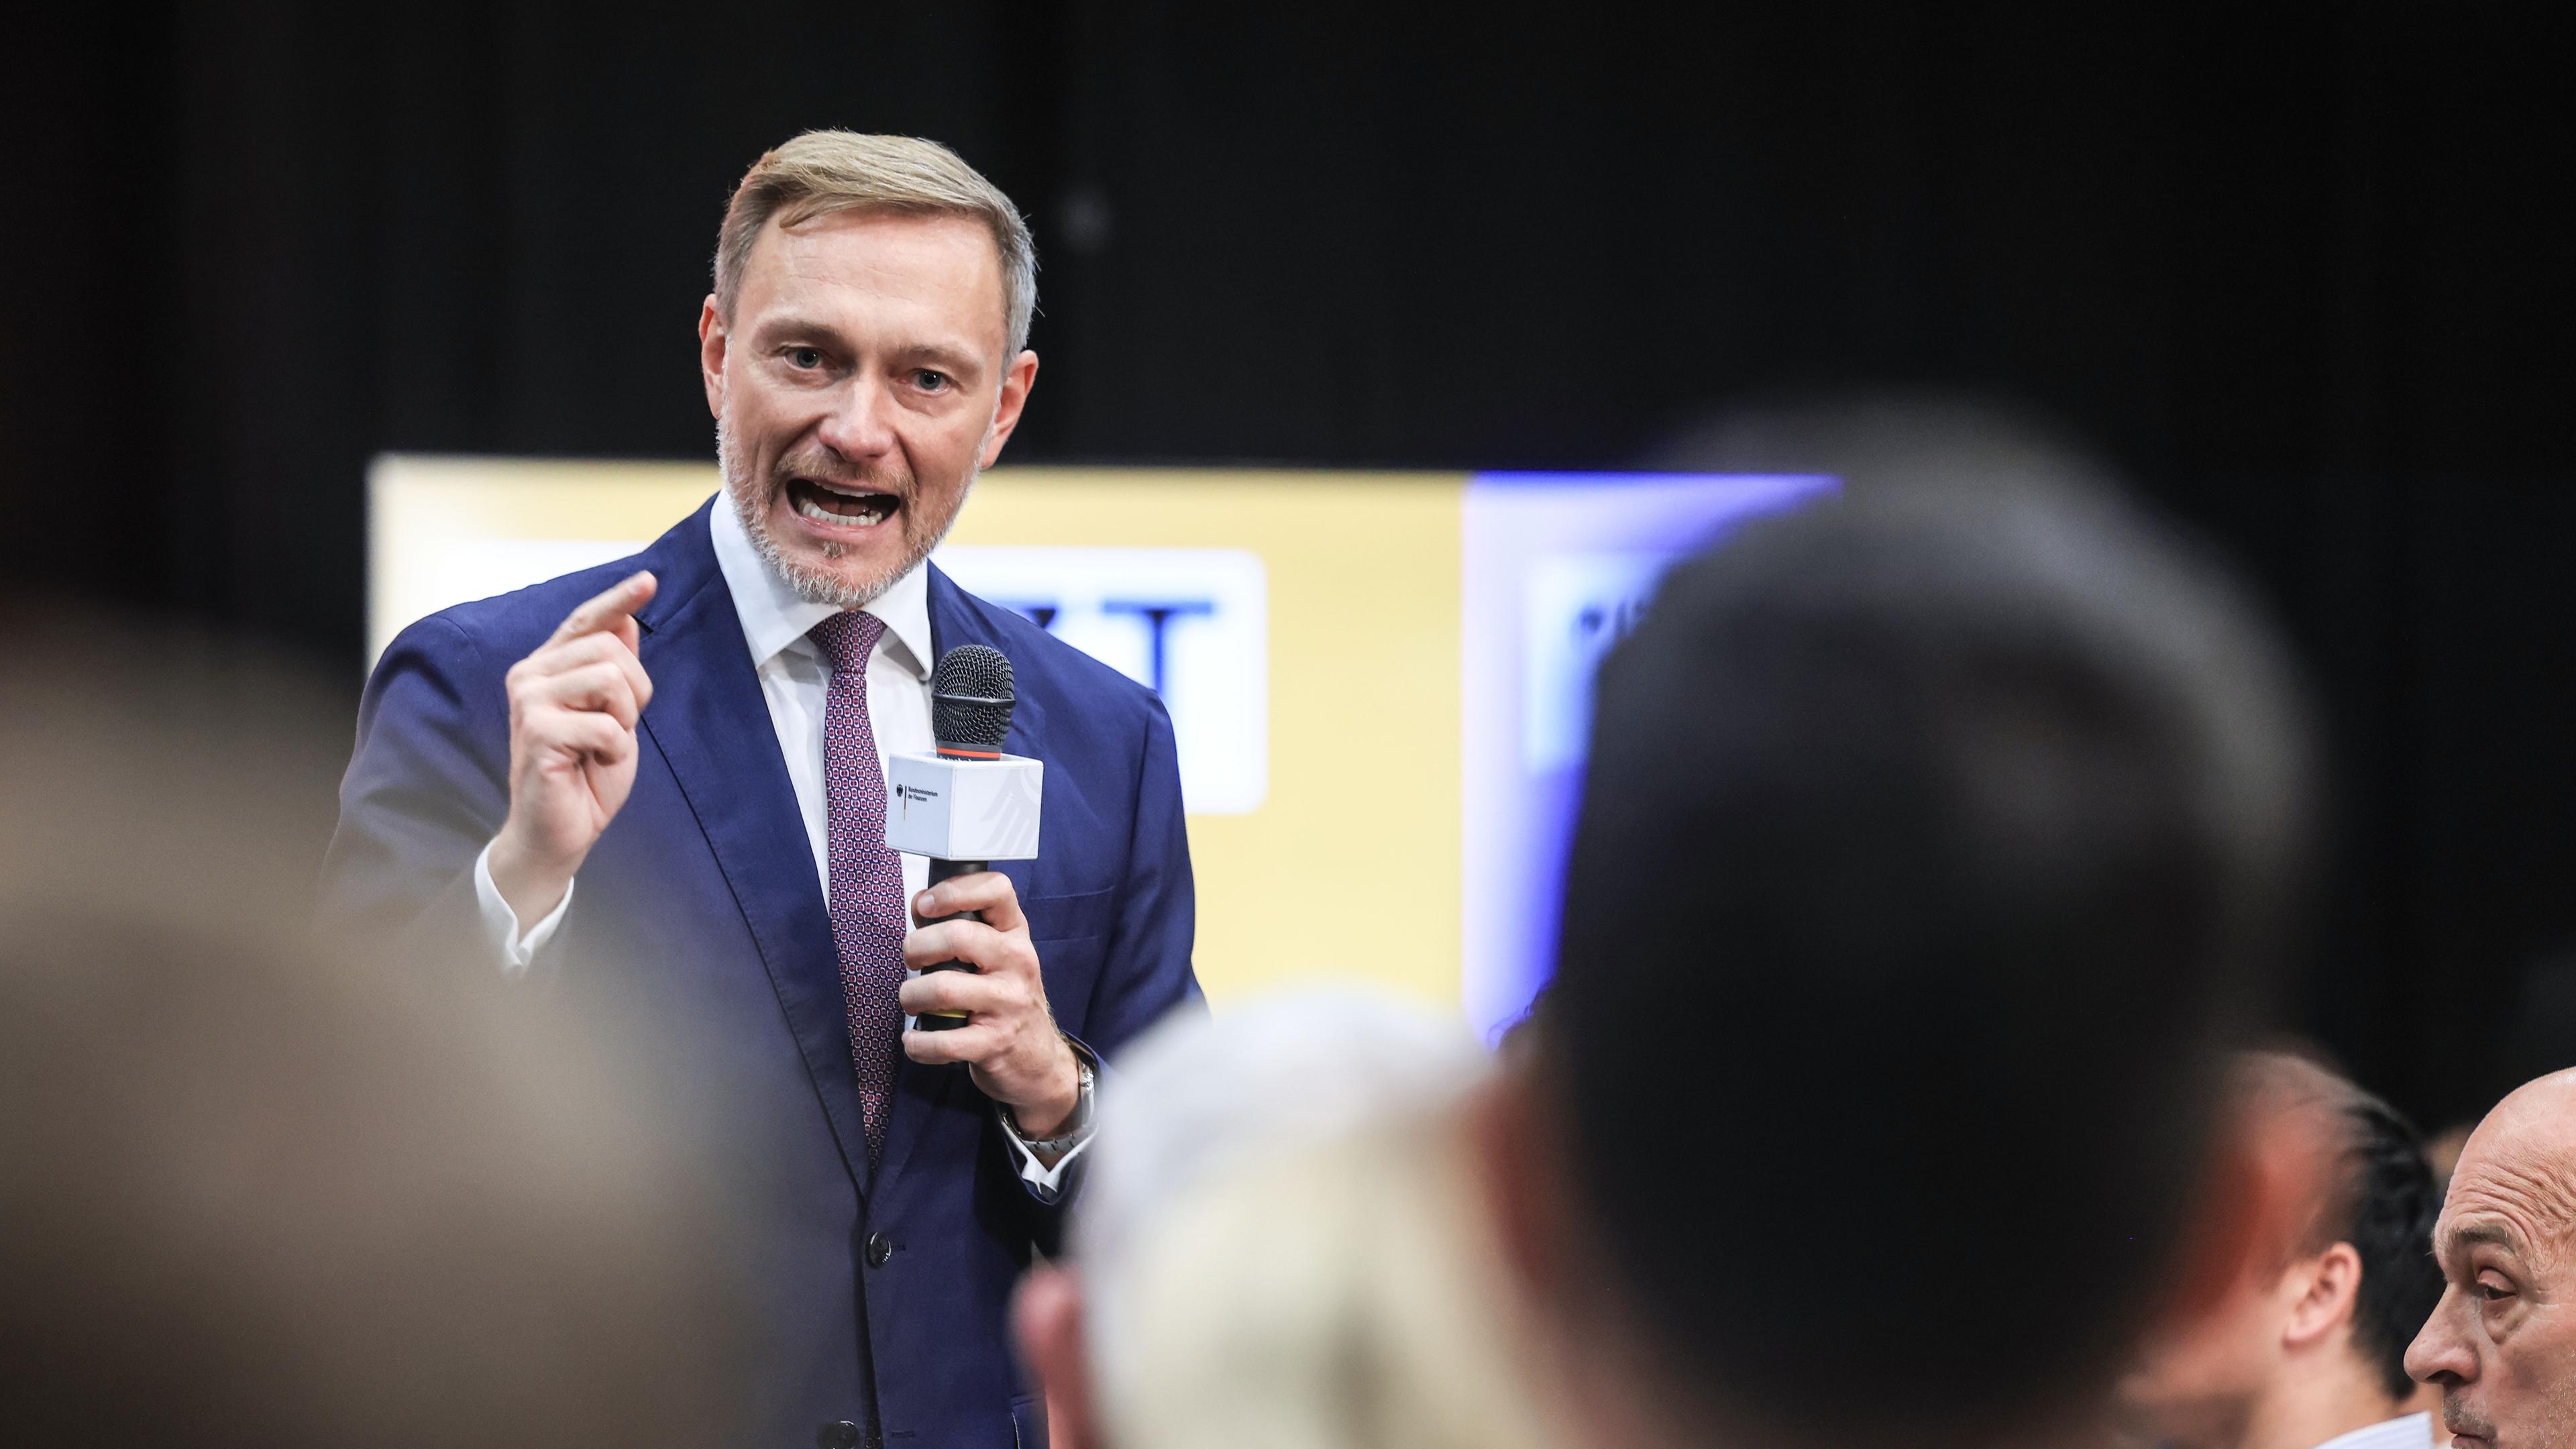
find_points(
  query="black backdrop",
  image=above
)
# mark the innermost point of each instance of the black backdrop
(2295, 271)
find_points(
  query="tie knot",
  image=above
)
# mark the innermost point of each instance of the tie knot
(848, 637)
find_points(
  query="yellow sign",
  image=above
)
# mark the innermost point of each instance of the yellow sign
(1347, 863)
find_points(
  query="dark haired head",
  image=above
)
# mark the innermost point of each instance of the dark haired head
(2386, 1207)
(2374, 1189)
(1932, 844)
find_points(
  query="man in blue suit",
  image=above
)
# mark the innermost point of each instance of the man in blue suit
(658, 787)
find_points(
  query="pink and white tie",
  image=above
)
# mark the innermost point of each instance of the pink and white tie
(869, 914)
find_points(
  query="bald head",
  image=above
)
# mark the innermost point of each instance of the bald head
(2541, 1103)
(2502, 1342)
(2516, 1182)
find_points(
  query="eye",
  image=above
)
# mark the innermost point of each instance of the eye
(2493, 1288)
(804, 359)
(931, 381)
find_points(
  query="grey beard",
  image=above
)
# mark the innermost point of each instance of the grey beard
(814, 586)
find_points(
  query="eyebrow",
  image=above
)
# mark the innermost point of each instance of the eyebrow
(962, 362)
(784, 322)
(944, 359)
(2472, 1233)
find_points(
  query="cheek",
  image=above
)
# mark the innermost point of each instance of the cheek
(747, 401)
(765, 411)
(2536, 1349)
(945, 455)
(951, 444)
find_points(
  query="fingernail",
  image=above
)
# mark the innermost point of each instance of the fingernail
(921, 903)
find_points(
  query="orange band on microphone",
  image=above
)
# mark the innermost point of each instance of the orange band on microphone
(947, 753)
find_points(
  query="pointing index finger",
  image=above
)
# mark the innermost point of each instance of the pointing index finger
(609, 608)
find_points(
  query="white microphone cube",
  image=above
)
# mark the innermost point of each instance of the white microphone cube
(964, 809)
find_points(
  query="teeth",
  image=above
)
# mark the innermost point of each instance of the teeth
(874, 514)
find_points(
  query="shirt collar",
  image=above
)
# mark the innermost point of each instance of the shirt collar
(2413, 1431)
(775, 618)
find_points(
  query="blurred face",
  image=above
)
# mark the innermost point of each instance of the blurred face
(2198, 1383)
(858, 388)
(2502, 1342)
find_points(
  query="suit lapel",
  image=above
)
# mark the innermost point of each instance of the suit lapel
(955, 618)
(711, 725)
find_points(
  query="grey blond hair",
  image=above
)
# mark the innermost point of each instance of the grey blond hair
(821, 172)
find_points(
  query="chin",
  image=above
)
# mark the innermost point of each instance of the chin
(823, 576)
(846, 575)
(836, 537)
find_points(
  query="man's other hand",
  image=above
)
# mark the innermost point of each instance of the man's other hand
(1009, 1043)
(574, 704)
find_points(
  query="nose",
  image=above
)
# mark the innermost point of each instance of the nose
(2441, 1353)
(860, 423)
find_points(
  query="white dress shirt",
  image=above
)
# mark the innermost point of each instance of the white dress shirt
(2414, 1431)
(796, 681)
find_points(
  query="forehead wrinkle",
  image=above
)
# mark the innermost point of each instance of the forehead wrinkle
(2534, 1208)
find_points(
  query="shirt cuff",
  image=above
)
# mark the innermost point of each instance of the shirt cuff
(1044, 1183)
(501, 924)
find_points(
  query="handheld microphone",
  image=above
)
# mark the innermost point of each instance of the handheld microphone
(970, 703)
(968, 804)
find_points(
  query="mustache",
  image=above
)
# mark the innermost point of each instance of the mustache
(822, 465)
(2459, 1418)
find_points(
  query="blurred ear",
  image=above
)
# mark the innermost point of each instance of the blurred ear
(1046, 1318)
(2333, 1288)
(1592, 1368)
(1521, 1172)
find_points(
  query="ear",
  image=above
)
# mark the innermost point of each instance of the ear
(712, 340)
(1016, 382)
(1591, 1368)
(1522, 1180)
(1046, 1318)
(2333, 1289)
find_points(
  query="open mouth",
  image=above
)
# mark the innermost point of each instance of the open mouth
(836, 507)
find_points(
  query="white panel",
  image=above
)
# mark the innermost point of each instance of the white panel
(1574, 606)
(964, 809)
(1209, 611)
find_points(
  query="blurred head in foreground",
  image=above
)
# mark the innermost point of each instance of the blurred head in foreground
(2309, 1343)
(2501, 1344)
(1933, 843)
(1279, 1248)
(261, 1194)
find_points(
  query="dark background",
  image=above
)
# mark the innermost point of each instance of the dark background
(2296, 272)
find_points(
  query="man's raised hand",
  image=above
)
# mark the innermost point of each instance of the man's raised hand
(574, 704)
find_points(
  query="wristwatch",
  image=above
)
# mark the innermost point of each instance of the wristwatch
(1077, 1126)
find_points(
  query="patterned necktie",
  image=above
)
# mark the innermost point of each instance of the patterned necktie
(869, 916)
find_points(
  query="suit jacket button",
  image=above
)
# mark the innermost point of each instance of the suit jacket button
(878, 1251)
(841, 1434)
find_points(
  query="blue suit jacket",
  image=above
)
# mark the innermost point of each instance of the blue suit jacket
(701, 903)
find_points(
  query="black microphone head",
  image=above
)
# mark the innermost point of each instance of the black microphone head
(971, 699)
